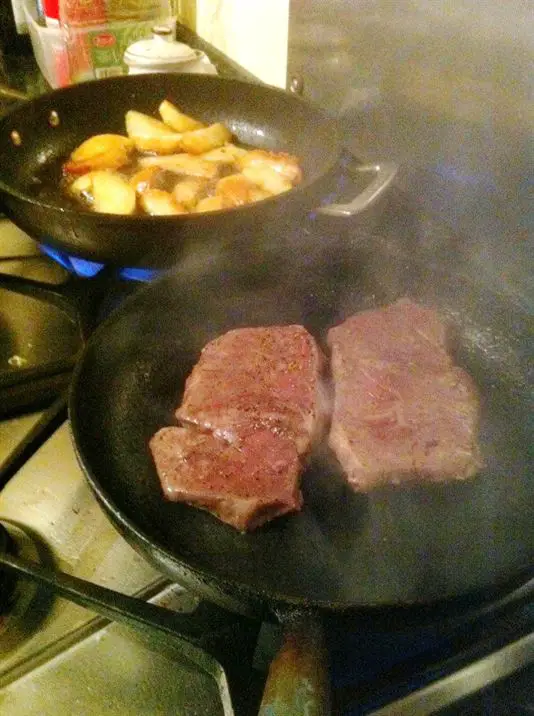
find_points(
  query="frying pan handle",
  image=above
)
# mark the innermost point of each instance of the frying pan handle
(189, 629)
(385, 173)
(298, 679)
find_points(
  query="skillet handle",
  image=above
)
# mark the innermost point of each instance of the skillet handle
(298, 678)
(191, 631)
(385, 173)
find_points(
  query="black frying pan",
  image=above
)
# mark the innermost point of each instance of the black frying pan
(37, 136)
(344, 551)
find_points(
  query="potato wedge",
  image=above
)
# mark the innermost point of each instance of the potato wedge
(258, 194)
(112, 194)
(99, 144)
(157, 202)
(284, 164)
(210, 203)
(268, 179)
(203, 140)
(227, 154)
(142, 180)
(234, 190)
(182, 164)
(188, 191)
(106, 191)
(81, 188)
(176, 120)
(102, 151)
(150, 135)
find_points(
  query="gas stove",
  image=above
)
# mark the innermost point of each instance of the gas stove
(52, 651)
(54, 520)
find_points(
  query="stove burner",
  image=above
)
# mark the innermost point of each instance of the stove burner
(87, 269)
(138, 274)
(77, 266)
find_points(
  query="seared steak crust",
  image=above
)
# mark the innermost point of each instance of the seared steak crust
(401, 409)
(243, 485)
(257, 377)
(251, 408)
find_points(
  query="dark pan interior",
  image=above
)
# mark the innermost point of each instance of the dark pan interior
(393, 547)
(257, 115)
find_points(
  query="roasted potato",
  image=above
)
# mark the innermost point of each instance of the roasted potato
(150, 135)
(234, 190)
(102, 151)
(142, 180)
(106, 191)
(284, 164)
(258, 194)
(157, 202)
(203, 140)
(182, 164)
(81, 187)
(227, 154)
(176, 120)
(210, 203)
(188, 191)
(268, 179)
(210, 171)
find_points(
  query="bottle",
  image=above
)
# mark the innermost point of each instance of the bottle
(51, 12)
(97, 32)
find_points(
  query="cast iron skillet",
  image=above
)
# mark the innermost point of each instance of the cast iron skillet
(344, 551)
(38, 135)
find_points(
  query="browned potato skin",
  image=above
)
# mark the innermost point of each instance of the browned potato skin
(268, 179)
(203, 140)
(150, 134)
(227, 154)
(198, 154)
(284, 164)
(101, 151)
(110, 192)
(188, 191)
(142, 180)
(177, 120)
(157, 202)
(81, 187)
(167, 144)
(183, 164)
(258, 194)
(210, 203)
(234, 190)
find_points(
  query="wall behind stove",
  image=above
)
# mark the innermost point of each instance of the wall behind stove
(446, 88)
(254, 34)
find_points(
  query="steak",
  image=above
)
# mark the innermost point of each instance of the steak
(403, 332)
(244, 485)
(251, 409)
(258, 377)
(402, 410)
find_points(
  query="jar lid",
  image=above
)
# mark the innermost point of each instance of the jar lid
(159, 52)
